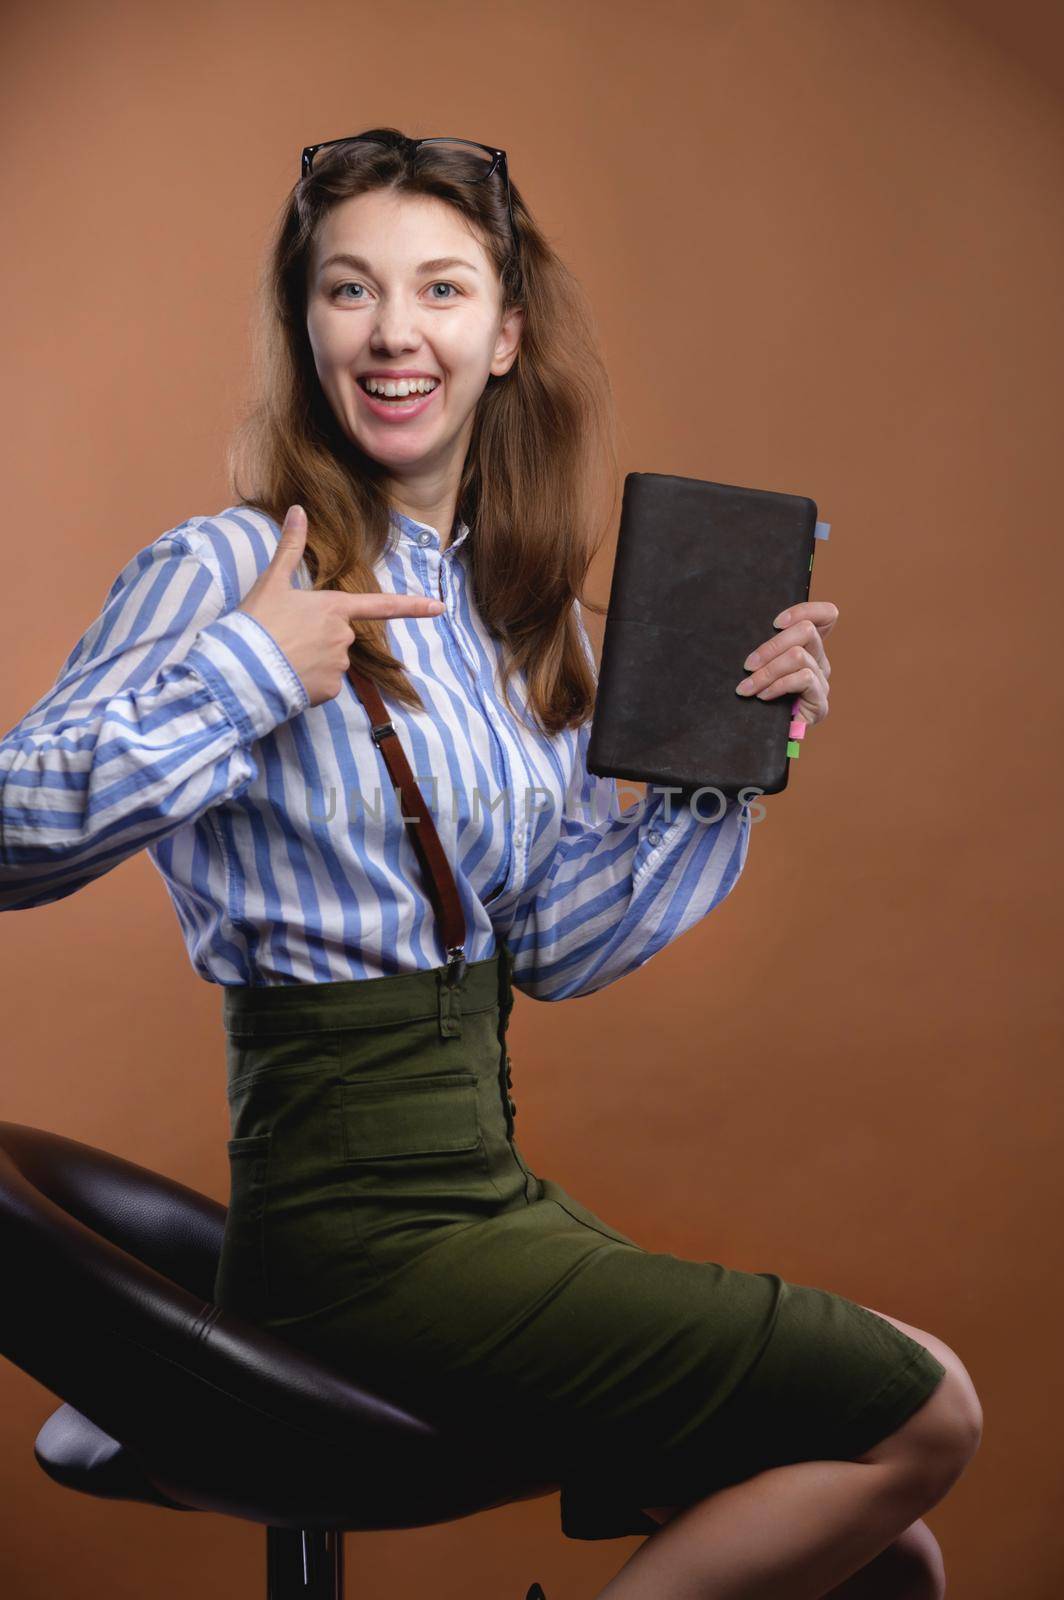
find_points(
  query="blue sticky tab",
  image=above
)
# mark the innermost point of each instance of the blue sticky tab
(821, 530)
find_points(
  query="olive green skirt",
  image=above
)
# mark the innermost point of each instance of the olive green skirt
(383, 1217)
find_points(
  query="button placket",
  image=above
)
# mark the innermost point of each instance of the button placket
(456, 646)
(513, 877)
(422, 563)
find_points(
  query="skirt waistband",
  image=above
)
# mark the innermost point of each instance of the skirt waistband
(371, 1002)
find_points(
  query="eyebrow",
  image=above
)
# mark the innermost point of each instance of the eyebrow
(359, 264)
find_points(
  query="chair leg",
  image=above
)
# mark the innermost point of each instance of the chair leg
(304, 1564)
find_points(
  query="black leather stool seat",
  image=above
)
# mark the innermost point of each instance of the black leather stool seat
(109, 1270)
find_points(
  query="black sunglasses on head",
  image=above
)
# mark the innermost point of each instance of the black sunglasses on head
(492, 160)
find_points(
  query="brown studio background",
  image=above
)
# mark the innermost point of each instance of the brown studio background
(824, 243)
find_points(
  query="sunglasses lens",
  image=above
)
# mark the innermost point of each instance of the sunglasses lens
(458, 158)
(344, 148)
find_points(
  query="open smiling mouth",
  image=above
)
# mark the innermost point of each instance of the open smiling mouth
(398, 408)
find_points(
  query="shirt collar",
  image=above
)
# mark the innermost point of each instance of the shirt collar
(411, 529)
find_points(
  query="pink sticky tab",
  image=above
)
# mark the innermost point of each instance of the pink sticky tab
(797, 728)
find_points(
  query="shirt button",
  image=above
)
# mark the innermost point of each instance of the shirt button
(654, 837)
(424, 537)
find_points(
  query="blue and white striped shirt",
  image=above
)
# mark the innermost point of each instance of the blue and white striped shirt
(177, 724)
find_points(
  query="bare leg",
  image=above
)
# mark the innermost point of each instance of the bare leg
(910, 1568)
(800, 1532)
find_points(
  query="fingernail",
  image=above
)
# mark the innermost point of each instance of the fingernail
(782, 620)
(746, 687)
(752, 660)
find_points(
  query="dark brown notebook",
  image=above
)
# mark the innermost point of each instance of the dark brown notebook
(701, 570)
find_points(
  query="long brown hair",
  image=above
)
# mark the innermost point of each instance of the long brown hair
(539, 484)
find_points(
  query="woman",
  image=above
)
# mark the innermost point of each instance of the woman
(773, 1438)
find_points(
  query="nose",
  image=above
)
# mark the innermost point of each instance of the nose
(395, 329)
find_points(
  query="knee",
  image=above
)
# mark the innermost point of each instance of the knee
(913, 1563)
(956, 1426)
(935, 1444)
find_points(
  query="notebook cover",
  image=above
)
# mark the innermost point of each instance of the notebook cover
(701, 570)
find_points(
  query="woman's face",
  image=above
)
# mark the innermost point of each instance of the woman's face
(422, 297)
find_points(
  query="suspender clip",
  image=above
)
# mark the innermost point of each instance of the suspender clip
(456, 964)
(381, 731)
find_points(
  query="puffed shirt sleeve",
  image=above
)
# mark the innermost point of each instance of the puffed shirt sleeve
(151, 721)
(621, 886)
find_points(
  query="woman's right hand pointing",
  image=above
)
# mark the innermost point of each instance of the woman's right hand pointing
(315, 627)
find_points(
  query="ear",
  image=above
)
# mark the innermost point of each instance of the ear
(506, 344)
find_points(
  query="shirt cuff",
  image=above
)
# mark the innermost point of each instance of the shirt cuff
(686, 815)
(248, 673)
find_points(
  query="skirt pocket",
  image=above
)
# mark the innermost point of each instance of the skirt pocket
(415, 1161)
(240, 1282)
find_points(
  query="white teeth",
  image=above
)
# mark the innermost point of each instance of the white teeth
(398, 388)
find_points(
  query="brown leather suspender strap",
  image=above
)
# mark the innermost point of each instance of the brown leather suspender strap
(437, 869)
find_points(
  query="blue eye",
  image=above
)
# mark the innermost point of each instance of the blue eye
(335, 294)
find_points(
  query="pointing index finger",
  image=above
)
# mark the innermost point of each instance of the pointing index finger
(392, 605)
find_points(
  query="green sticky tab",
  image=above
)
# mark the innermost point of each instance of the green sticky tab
(794, 747)
(810, 561)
